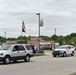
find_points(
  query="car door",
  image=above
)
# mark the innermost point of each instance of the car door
(21, 50)
(15, 51)
(18, 51)
(69, 50)
(29, 49)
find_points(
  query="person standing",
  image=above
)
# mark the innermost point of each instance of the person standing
(33, 48)
(36, 49)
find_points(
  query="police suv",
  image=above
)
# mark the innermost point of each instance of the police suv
(64, 50)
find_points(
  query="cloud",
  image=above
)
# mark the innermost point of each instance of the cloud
(59, 14)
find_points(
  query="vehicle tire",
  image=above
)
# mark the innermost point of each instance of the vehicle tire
(6, 60)
(54, 55)
(64, 54)
(27, 58)
(72, 54)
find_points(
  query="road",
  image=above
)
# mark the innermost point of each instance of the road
(41, 65)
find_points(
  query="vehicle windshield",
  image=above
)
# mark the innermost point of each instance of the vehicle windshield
(5, 47)
(61, 47)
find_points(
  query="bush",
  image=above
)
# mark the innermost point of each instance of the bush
(39, 54)
(41, 51)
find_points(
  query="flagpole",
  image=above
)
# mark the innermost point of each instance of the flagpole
(22, 29)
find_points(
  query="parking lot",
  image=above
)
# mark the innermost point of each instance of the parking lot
(41, 65)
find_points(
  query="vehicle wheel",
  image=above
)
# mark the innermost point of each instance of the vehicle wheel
(54, 55)
(6, 60)
(27, 58)
(64, 54)
(72, 53)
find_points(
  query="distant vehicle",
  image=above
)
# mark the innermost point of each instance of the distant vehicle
(45, 45)
(64, 50)
(75, 47)
(15, 52)
(1, 44)
(56, 45)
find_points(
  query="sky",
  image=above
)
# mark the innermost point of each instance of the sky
(56, 14)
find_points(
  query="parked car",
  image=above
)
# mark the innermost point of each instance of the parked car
(64, 50)
(45, 45)
(1, 43)
(15, 52)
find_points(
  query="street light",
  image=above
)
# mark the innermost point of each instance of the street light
(5, 36)
(55, 31)
(39, 23)
(39, 28)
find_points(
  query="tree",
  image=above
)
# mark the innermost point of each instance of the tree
(54, 37)
(72, 35)
(2, 39)
(46, 38)
(61, 39)
(23, 38)
(73, 40)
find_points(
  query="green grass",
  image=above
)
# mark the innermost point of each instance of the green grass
(73, 74)
(39, 54)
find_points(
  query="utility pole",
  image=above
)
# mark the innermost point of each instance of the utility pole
(5, 36)
(39, 28)
(55, 31)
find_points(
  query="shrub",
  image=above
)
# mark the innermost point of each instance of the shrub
(39, 54)
(41, 51)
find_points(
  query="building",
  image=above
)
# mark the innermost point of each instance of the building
(14, 41)
(36, 41)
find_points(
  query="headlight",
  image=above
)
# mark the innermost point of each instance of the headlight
(1, 53)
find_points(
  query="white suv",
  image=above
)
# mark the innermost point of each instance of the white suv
(64, 50)
(15, 52)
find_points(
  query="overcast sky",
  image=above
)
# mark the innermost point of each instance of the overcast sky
(59, 14)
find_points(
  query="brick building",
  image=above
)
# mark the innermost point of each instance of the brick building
(35, 41)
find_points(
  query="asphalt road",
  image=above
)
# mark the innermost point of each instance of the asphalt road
(41, 65)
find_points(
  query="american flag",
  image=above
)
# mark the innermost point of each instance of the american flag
(23, 27)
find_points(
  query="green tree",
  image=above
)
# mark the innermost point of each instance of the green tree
(46, 38)
(2, 39)
(61, 39)
(54, 37)
(72, 35)
(25, 38)
(73, 39)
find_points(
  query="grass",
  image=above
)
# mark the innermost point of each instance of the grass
(39, 54)
(73, 74)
